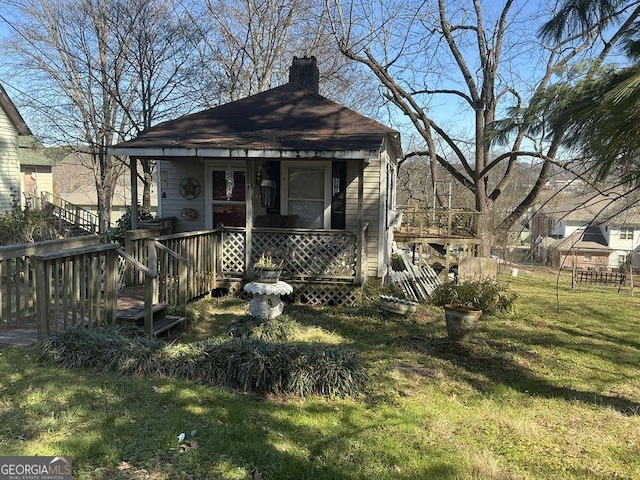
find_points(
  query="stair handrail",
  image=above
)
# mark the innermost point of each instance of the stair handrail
(150, 290)
(183, 271)
(73, 211)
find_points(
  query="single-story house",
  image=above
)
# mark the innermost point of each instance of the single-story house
(286, 168)
(585, 248)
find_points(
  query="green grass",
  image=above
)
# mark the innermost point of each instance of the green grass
(551, 391)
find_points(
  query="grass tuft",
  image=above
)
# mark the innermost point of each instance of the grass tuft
(276, 329)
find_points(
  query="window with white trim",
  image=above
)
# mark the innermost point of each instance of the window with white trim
(626, 233)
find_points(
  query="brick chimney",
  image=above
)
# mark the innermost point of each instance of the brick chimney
(305, 72)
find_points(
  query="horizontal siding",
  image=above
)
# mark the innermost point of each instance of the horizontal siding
(9, 163)
(371, 202)
(173, 203)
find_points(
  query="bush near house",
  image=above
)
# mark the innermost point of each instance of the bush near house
(116, 233)
(490, 296)
(19, 226)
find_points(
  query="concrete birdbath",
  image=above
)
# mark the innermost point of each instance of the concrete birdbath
(266, 303)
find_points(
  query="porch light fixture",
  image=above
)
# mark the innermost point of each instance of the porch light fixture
(268, 193)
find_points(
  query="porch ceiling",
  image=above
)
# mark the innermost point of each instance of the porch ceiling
(289, 121)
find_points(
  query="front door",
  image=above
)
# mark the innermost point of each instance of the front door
(228, 187)
(306, 192)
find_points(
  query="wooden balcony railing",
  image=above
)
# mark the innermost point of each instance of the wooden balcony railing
(442, 223)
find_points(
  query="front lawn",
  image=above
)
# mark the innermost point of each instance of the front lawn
(551, 391)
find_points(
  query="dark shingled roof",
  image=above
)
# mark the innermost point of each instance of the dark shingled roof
(288, 118)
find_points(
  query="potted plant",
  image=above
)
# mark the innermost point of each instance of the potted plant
(465, 303)
(268, 268)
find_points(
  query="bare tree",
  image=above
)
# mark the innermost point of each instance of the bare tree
(478, 61)
(155, 39)
(64, 47)
(246, 47)
(102, 72)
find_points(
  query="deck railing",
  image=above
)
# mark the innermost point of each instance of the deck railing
(135, 244)
(76, 287)
(17, 275)
(75, 281)
(426, 222)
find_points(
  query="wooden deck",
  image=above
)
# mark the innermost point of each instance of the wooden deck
(438, 226)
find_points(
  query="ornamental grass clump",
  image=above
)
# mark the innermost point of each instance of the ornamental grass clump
(490, 296)
(246, 364)
(276, 329)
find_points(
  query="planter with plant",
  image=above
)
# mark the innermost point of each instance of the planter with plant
(268, 268)
(465, 303)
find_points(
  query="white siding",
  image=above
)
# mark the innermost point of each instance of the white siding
(377, 244)
(9, 163)
(172, 204)
(371, 208)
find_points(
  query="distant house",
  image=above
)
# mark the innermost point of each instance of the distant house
(12, 128)
(25, 170)
(591, 231)
(74, 183)
(35, 168)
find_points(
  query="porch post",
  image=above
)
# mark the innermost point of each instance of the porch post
(133, 172)
(360, 223)
(249, 180)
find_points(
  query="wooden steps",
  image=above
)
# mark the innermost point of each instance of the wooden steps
(162, 321)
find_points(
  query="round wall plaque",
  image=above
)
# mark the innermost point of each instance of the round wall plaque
(189, 188)
(189, 214)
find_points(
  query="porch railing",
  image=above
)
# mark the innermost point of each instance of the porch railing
(17, 275)
(308, 254)
(75, 282)
(438, 222)
(200, 251)
(135, 244)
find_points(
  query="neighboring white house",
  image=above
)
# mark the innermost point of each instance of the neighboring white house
(612, 223)
(12, 127)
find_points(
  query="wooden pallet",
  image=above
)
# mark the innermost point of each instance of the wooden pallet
(417, 282)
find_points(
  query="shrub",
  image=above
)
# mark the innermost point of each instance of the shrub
(490, 296)
(27, 226)
(116, 233)
(244, 364)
